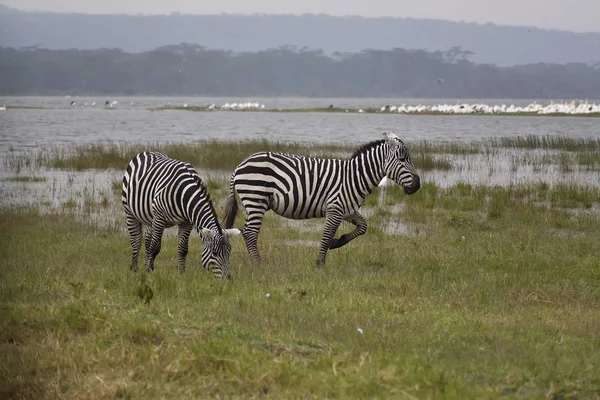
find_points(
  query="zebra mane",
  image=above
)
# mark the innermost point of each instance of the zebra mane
(366, 147)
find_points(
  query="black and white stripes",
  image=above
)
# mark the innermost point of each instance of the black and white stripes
(300, 187)
(162, 192)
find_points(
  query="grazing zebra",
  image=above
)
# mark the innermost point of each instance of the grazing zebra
(298, 187)
(162, 192)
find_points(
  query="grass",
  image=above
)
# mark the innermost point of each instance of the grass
(22, 178)
(210, 154)
(563, 151)
(565, 143)
(328, 110)
(25, 107)
(496, 298)
(181, 108)
(425, 162)
(440, 147)
(588, 159)
(226, 155)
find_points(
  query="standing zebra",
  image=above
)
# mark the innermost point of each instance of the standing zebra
(162, 192)
(298, 187)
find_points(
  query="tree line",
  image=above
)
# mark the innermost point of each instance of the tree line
(189, 69)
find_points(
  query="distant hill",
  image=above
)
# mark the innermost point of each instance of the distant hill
(189, 69)
(500, 45)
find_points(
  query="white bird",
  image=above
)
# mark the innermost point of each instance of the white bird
(3, 108)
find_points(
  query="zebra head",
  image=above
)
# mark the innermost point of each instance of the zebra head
(216, 250)
(398, 166)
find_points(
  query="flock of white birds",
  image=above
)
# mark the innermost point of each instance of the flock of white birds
(241, 106)
(573, 107)
(583, 107)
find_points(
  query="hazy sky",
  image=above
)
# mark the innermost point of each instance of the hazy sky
(574, 15)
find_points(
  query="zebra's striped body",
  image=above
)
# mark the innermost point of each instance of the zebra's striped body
(300, 187)
(162, 192)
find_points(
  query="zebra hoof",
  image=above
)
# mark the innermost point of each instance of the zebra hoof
(320, 264)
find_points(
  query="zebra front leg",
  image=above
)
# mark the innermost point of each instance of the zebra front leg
(250, 232)
(333, 219)
(182, 248)
(134, 227)
(156, 232)
(361, 228)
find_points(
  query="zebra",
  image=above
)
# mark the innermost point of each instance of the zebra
(162, 192)
(298, 187)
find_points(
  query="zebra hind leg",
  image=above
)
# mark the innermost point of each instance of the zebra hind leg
(156, 232)
(182, 249)
(361, 228)
(134, 227)
(333, 219)
(250, 233)
(148, 239)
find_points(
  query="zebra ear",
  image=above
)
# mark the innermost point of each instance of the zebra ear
(207, 234)
(391, 138)
(231, 232)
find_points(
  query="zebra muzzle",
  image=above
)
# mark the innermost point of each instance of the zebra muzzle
(416, 185)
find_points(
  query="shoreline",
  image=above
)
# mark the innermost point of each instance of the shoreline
(334, 110)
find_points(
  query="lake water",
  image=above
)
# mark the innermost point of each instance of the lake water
(29, 128)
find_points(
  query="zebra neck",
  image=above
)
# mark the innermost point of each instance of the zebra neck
(368, 169)
(201, 213)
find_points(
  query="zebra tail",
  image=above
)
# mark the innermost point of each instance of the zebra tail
(231, 208)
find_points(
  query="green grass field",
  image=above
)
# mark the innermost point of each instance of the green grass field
(487, 292)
